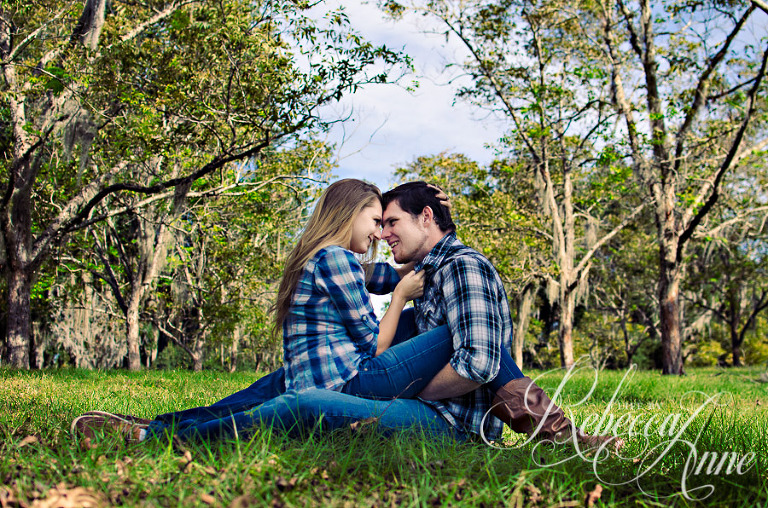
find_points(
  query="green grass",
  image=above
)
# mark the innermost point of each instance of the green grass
(39, 460)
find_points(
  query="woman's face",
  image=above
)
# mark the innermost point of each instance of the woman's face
(366, 228)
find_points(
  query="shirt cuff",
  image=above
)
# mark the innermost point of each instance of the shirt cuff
(466, 365)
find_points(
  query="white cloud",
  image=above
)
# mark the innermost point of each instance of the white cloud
(390, 126)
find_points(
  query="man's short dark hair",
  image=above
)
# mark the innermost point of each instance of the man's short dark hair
(414, 196)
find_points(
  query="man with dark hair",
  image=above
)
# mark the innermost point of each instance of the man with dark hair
(464, 291)
(413, 197)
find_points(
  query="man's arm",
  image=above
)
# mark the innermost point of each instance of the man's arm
(472, 314)
(446, 384)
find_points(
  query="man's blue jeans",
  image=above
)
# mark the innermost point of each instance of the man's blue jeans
(298, 412)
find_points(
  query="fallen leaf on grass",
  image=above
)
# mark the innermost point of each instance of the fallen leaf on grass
(593, 496)
(458, 488)
(79, 497)
(27, 441)
(323, 474)
(8, 499)
(534, 495)
(244, 501)
(86, 444)
(207, 499)
(283, 484)
(185, 462)
(207, 469)
(358, 425)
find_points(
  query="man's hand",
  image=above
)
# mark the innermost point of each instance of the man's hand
(446, 384)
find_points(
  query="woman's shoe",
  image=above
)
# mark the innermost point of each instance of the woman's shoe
(92, 423)
(127, 418)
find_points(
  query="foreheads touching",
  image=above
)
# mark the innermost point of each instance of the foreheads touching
(414, 198)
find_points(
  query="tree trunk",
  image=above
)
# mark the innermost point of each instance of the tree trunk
(568, 277)
(734, 298)
(152, 353)
(669, 303)
(234, 350)
(735, 345)
(197, 355)
(523, 317)
(91, 22)
(567, 308)
(132, 333)
(18, 333)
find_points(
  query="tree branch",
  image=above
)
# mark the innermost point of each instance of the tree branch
(588, 256)
(761, 4)
(700, 95)
(691, 227)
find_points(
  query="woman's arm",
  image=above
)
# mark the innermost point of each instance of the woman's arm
(403, 270)
(411, 286)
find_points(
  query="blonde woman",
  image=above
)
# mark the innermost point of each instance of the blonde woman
(331, 337)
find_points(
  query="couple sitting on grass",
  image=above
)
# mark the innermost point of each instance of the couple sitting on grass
(443, 367)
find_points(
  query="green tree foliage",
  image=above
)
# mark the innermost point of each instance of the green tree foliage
(104, 99)
(673, 90)
(229, 258)
(728, 282)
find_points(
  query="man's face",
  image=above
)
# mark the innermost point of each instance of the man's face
(406, 235)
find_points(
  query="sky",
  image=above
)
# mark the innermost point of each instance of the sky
(390, 126)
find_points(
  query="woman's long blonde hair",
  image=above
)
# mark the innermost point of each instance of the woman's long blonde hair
(330, 224)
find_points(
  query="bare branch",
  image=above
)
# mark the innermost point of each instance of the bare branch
(761, 4)
(33, 35)
(223, 190)
(588, 256)
(700, 95)
(57, 227)
(726, 165)
(170, 9)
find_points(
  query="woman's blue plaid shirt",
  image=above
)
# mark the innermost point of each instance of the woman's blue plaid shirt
(331, 326)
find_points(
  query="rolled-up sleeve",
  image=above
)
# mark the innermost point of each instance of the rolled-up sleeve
(472, 315)
(342, 277)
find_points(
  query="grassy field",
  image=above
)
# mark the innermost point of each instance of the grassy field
(697, 440)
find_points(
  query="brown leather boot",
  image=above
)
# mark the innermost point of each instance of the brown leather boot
(525, 408)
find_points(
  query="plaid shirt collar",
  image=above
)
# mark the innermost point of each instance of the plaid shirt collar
(434, 258)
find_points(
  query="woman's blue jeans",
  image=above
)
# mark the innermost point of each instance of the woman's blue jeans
(401, 372)
(297, 413)
(410, 363)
